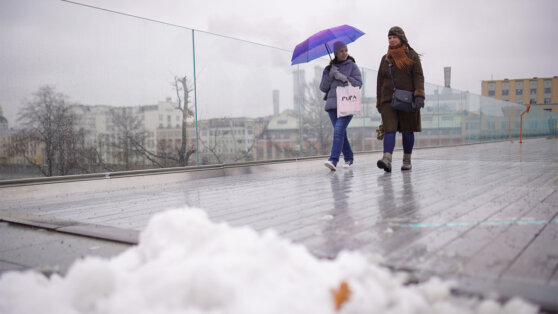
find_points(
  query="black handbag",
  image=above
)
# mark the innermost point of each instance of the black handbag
(403, 100)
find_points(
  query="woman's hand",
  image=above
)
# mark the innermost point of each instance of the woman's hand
(334, 73)
(333, 69)
(340, 76)
(419, 102)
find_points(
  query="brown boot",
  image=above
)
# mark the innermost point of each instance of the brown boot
(385, 162)
(406, 162)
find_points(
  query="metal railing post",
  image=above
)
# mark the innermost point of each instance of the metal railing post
(195, 101)
(521, 125)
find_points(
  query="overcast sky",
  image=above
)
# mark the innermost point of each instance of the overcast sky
(43, 41)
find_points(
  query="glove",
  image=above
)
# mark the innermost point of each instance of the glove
(419, 102)
(332, 71)
(340, 76)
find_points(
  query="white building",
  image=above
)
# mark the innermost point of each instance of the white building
(98, 122)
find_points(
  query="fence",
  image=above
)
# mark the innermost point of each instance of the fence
(245, 101)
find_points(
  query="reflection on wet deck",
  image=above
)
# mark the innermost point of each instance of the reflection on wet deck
(484, 214)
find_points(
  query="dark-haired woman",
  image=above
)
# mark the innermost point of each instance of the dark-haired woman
(339, 72)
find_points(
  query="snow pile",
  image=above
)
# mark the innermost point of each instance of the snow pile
(186, 264)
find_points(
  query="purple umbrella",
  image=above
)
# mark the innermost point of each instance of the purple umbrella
(321, 43)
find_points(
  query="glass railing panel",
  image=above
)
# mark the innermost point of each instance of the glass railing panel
(126, 80)
(116, 74)
(248, 109)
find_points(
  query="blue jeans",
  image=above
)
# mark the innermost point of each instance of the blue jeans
(340, 139)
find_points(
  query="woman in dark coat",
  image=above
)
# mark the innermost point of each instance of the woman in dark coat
(407, 74)
(339, 72)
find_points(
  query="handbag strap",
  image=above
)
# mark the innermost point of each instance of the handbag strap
(391, 75)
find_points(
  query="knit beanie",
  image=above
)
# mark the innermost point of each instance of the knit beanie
(398, 31)
(337, 46)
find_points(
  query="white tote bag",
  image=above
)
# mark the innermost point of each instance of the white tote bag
(348, 101)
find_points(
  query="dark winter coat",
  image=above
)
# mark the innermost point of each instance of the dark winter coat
(408, 78)
(329, 85)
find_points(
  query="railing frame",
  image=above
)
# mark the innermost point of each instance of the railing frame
(521, 126)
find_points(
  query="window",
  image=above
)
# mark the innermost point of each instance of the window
(547, 101)
(506, 90)
(547, 90)
(491, 93)
(519, 91)
(160, 117)
(532, 101)
(532, 91)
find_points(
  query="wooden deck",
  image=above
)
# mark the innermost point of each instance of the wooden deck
(483, 214)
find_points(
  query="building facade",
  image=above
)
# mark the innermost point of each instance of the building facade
(104, 125)
(33, 149)
(540, 92)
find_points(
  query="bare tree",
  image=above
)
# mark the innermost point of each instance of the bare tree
(24, 144)
(223, 133)
(47, 119)
(316, 127)
(183, 93)
(130, 136)
(166, 153)
(95, 154)
(169, 154)
(213, 145)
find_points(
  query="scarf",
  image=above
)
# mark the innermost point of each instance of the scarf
(399, 56)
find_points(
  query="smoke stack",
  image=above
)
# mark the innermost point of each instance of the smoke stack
(447, 77)
(275, 102)
(298, 88)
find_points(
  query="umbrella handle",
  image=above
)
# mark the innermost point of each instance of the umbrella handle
(327, 48)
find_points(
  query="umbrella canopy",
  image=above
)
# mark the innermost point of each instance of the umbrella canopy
(321, 43)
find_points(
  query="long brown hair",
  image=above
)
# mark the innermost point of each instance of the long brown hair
(336, 61)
